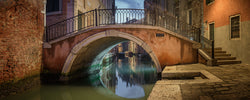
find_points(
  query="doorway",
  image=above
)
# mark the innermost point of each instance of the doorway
(211, 31)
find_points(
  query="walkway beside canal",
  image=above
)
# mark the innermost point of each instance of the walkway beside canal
(235, 84)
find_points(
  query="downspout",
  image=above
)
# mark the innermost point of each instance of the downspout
(74, 7)
(44, 11)
(202, 23)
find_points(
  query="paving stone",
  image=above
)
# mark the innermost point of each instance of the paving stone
(218, 85)
(205, 98)
(235, 85)
(210, 84)
(185, 86)
(227, 92)
(222, 89)
(196, 87)
(228, 84)
(206, 87)
(208, 90)
(165, 92)
(186, 91)
(225, 97)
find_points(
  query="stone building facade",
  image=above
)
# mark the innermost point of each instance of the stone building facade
(58, 10)
(156, 10)
(227, 22)
(21, 35)
(161, 6)
(189, 11)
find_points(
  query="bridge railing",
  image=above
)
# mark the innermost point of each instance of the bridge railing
(208, 46)
(100, 17)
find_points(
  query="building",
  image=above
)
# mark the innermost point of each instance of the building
(227, 22)
(166, 6)
(21, 38)
(189, 11)
(58, 10)
(156, 10)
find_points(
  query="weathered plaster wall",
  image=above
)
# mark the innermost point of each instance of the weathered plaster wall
(219, 12)
(239, 48)
(21, 33)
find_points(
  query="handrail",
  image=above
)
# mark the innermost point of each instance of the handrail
(208, 46)
(100, 17)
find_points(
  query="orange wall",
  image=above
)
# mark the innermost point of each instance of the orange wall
(220, 11)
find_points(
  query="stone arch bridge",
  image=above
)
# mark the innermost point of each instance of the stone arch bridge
(83, 40)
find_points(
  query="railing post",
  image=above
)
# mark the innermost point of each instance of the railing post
(96, 18)
(46, 36)
(199, 35)
(212, 49)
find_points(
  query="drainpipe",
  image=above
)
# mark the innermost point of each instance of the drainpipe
(202, 23)
(44, 34)
(44, 11)
(44, 18)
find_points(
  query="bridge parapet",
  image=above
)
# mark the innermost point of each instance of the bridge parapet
(102, 17)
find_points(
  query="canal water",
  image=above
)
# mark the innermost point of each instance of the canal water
(128, 78)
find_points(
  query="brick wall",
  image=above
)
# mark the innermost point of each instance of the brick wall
(21, 32)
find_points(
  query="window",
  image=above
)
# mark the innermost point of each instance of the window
(53, 6)
(189, 17)
(166, 5)
(235, 26)
(80, 20)
(163, 4)
(209, 1)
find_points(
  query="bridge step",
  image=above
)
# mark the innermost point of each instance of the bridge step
(222, 57)
(225, 58)
(217, 48)
(221, 54)
(225, 62)
(216, 51)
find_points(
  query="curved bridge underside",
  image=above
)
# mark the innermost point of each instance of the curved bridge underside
(85, 48)
(90, 51)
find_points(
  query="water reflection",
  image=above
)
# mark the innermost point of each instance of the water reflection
(126, 77)
(121, 79)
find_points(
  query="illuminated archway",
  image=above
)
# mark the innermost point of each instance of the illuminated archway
(92, 49)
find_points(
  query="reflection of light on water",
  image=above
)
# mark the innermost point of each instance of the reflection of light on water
(119, 63)
(128, 77)
(128, 91)
(132, 63)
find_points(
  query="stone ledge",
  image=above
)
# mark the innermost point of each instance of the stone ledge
(165, 92)
(210, 78)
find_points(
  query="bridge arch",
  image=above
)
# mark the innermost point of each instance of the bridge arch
(97, 45)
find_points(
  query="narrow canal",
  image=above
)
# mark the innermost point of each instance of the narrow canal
(117, 79)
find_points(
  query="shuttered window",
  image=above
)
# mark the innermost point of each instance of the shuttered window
(53, 6)
(235, 26)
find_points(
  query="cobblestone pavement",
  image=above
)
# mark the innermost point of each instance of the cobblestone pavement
(235, 85)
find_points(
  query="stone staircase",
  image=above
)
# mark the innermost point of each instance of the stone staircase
(222, 57)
